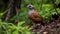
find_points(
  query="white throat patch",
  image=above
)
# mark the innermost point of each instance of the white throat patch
(30, 12)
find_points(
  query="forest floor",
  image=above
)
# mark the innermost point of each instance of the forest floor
(49, 28)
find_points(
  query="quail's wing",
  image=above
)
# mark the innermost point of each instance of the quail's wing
(37, 16)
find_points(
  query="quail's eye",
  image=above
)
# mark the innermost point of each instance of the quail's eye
(29, 6)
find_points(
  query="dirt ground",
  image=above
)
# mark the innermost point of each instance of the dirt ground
(51, 27)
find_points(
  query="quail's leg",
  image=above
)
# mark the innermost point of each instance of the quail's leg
(34, 25)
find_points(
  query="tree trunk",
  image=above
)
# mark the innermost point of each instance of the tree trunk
(13, 10)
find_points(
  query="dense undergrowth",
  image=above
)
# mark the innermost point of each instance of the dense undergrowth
(9, 28)
(45, 9)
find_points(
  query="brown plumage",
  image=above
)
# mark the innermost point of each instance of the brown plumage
(34, 15)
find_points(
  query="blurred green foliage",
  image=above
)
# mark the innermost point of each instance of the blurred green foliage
(9, 28)
(23, 15)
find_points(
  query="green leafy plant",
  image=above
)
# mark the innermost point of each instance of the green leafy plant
(9, 28)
